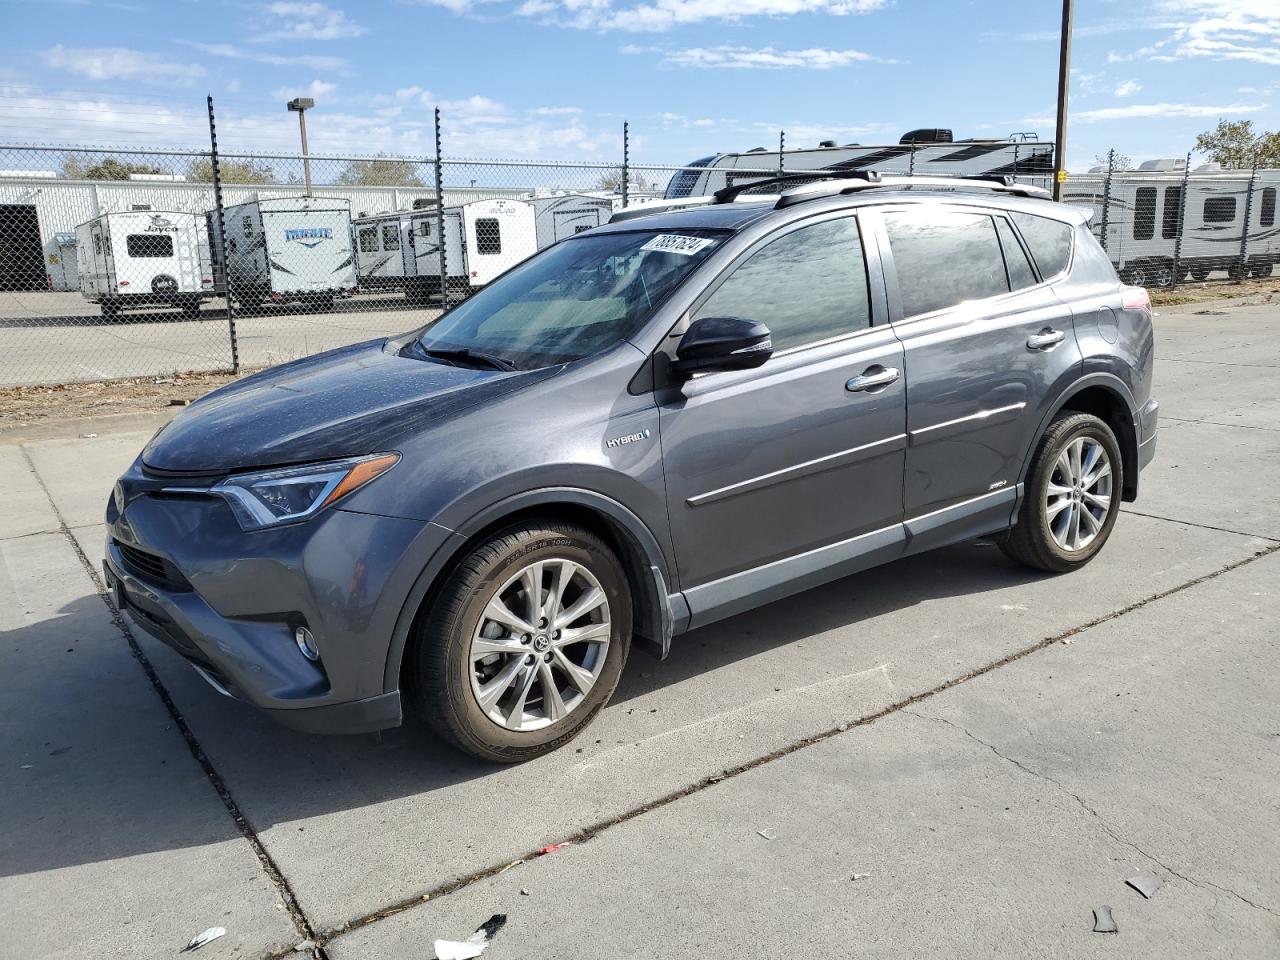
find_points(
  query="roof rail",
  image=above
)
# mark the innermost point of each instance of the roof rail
(999, 183)
(730, 193)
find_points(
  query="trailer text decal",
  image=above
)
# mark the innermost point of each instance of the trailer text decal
(309, 236)
(674, 243)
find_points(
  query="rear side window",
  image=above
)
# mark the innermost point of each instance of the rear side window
(1144, 213)
(1048, 240)
(1268, 206)
(149, 245)
(1219, 209)
(808, 285)
(1172, 206)
(488, 235)
(944, 258)
(1015, 258)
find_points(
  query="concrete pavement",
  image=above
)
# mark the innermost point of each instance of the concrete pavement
(1148, 741)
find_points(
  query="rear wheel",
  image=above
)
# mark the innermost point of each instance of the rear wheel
(1072, 495)
(524, 643)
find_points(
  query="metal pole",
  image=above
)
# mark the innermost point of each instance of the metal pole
(1064, 80)
(216, 174)
(1106, 196)
(1248, 215)
(306, 160)
(626, 161)
(1182, 216)
(444, 272)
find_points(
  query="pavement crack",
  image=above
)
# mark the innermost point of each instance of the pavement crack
(278, 880)
(1107, 828)
(1219, 423)
(1202, 526)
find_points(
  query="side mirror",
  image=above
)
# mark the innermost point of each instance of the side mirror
(723, 343)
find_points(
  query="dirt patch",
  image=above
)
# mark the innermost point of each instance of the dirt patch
(1257, 291)
(29, 406)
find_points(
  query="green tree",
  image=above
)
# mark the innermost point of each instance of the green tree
(1119, 161)
(381, 171)
(612, 180)
(1235, 145)
(77, 167)
(231, 171)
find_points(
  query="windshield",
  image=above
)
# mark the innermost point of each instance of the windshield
(573, 300)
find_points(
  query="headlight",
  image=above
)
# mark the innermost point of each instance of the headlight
(276, 497)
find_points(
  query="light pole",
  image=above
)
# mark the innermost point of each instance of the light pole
(1064, 80)
(301, 105)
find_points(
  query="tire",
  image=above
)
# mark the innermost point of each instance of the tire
(443, 679)
(1035, 540)
(1199, 273)
(1260, 270)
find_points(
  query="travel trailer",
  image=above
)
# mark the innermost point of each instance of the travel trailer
(1137, 221)
(930, 152)
(143, 258)
(401, 251)
(286, 249)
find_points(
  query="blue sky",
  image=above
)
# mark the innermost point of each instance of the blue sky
(555, 78)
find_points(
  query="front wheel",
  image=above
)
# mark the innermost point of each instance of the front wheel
(524, 643)
(1072, 495)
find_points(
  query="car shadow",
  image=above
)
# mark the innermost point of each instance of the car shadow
(106, 784)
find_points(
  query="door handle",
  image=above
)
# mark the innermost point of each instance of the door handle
(1046, 339)
(873, 378)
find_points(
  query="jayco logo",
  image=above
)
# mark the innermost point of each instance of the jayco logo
(309, 236)
(160, 225)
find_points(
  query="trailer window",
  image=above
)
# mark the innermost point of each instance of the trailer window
(97, 244)
(248, 225)
(149, 245)
(1144, 213)
(391, 236)
(1219, 209)
(368, 239)
(1268, 206)
(1172, 207)
(424, 228)
(488, 235)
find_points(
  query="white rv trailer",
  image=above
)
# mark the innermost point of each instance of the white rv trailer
(924, 152)
(500, 232)
(1141, 221)
(143, 258)
(287, 249)
(401, 250)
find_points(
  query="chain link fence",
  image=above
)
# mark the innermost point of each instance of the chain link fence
(118, 263)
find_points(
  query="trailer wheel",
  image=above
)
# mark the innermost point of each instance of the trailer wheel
(1236, 271)
(1260, 270)
(1199, 273)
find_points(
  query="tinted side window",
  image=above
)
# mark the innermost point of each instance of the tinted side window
(806, 286)
(944, 258)
(1172, 204)
(1048, 240)
(1219, 209)
(1144, 213)
(1015, 258)
(1268, 207)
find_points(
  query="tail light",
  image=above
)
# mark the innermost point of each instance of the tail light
(1135, 298)
(275, 296)
(123, 283)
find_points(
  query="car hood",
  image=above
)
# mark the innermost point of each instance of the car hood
(356, 400)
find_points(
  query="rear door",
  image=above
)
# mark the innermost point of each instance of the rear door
(985, 339)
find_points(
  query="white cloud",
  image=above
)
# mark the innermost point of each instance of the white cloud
(555, 111)
(1247, 30)
(316, 89)
(659, 15)
(257, 56)
(1138, 110)
(1128, 88)
(764, 58)
(308, 21)
(119, 63)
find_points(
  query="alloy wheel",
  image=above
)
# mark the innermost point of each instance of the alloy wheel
(540, 645)
(1078, 496)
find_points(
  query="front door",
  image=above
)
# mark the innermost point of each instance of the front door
(790, 474)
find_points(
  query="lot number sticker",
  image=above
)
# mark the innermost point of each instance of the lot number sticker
(674, 243)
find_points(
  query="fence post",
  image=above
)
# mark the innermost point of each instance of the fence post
(1182, 216)
(782, 146)
(911, 163)
(216, 174)
(1248, 215)
(1106, 196)
(444, 255)
(626, 161)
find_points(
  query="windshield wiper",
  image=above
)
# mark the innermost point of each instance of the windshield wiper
(468, 357)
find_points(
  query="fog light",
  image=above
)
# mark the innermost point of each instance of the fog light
(306, 643)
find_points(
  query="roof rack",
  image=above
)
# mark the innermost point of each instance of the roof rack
(1000, 183)
(730, 193)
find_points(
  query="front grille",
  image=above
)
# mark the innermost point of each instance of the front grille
(150, 567)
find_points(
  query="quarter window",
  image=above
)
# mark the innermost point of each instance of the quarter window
(1219, 209)
(1015, 258)
(1172, 207)
(806, 286)
(391, 236)
(368, 239)
(944, 258)
(488, 235)
(1144, 213)
(1048, 240)
(149, 245)
(1268, 208)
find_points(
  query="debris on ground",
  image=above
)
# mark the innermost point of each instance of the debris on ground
(1146, 883)
(767, 834)
(474, 945)
(513, 863)
(1103, 922)
(553, 847)
(200, 939)
(304, 946)
(861, 876)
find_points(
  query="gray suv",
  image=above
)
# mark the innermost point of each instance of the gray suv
(656, 424)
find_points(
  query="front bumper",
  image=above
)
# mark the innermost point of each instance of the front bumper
(229, 602)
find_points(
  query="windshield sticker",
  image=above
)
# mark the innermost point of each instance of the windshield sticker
(674, 243)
